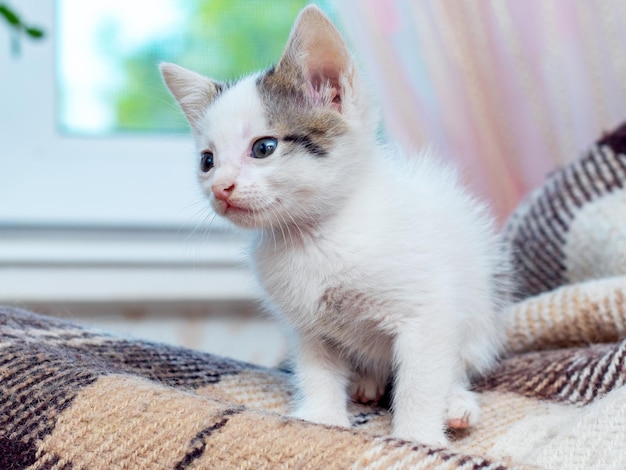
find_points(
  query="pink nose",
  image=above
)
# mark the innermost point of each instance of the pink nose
(223, 191)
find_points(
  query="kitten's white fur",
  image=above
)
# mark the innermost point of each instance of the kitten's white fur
(379, 264)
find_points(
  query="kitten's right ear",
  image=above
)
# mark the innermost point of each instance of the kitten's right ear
(317, 49)
(192, 91)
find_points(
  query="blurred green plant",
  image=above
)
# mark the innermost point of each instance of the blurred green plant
(18, 28)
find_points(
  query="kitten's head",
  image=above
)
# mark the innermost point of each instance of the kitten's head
(285, 146)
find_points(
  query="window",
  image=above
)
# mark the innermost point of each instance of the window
(108, 52)
(97, 170)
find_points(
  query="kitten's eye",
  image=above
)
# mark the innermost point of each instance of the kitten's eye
(206, 161)
(264, 147)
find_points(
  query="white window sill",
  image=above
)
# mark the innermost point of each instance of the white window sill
(67, 265)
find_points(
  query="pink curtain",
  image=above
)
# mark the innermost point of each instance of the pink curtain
(510, 89)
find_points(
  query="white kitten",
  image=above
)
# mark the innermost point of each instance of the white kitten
(380, 264)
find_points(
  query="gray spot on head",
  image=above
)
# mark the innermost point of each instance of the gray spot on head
(290, 111)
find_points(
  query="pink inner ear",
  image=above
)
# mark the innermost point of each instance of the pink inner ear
(318, 50)
(335, 102)
(324, 90)
(315, 95)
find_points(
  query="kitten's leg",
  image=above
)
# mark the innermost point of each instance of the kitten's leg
(479, 350)
(426, 363)
(321, 381)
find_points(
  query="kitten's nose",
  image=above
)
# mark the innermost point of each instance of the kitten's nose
(223, 191)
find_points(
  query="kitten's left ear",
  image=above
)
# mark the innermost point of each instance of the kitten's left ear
(318, 50)
(193, 91)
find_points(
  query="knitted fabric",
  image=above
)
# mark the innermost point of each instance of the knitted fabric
(72, 397)
(570, 229)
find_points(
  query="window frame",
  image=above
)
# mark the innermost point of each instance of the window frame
(83, 189)
(61, 179)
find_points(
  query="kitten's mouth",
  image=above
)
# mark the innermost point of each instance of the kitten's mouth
(242, 214)
(239, 215)
(234, 208)
(230, 208)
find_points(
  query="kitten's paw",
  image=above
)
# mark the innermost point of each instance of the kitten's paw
(366, 389)
(463, 409)
(434, 437)
(327, 417)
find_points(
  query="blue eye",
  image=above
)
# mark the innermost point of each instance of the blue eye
(264, 147)
(206, 161)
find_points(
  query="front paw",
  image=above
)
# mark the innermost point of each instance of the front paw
(463, 409)
(433, 436)
(319, 416)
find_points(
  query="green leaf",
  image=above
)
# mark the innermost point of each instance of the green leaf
(9, 15)
(35, 33)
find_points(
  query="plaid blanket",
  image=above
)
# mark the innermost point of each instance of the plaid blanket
(72, 397)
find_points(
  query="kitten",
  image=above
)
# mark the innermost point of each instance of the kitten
(380, 265)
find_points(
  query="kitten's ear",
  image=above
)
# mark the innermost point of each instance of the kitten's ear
(192, 91)
(318, 50)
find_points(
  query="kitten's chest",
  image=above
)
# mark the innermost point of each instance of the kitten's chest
(325, 294)
(358, 321)
(297, 278)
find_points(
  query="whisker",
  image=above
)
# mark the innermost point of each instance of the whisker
(295, 224)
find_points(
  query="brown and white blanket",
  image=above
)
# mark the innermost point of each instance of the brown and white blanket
(72, 397)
